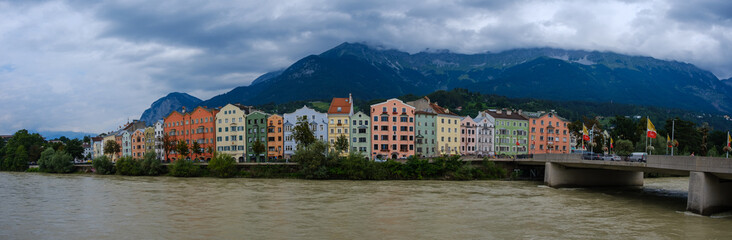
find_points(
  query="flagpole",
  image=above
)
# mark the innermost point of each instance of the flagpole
(673, 124)
(647, 138)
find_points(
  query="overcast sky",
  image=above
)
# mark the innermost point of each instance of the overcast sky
(87, 66)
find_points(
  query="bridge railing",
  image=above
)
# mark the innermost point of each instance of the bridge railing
(691, 163)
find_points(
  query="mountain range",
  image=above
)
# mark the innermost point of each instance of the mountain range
(371, 72)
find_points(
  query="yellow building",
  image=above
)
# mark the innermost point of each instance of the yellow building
(447, 128)
(339, 117)
(231, 130)
(109, 137)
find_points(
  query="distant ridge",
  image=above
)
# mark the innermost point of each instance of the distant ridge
(165, 105)
(543, 73)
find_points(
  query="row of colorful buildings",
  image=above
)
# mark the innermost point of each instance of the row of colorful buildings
(391, 129)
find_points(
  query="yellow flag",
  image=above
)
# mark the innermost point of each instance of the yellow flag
(585, 133)
(729, 140)
(668, 139)
(651, 130)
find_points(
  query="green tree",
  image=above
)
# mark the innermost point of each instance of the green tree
(196, 149)
(686, 133)
(20, 163)
(222, 165)
(258, 148)
(20, 138)
(623, 147)
(102, 165)
(182, 149)
(87, 139)
(168, 144)
(63, 139)
(625, 128)
(112, 148)
(703, 147)
(44, 161)
(150, 164)
(58, 146)
(302, 133)
(75, 148)
(341, 143)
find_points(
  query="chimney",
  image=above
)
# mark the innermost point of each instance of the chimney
(519, 112)
(508, 112)
(498, 111)
(184, 109)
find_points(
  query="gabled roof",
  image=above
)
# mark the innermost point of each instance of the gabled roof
(541, 114)
(442, 110)
(425, 113)
(340, 106)
(503, 114)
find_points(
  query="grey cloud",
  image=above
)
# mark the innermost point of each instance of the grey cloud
(141, 50)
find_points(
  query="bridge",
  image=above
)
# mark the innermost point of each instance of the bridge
(710, 179)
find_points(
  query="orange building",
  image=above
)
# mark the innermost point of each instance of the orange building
(195, 126)
(118, 139)
(393, 130)
(548, 133)
(138, 143)
(275, 142)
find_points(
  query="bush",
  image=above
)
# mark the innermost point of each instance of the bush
(150, 164)
(222, 165)
(184, 168)
(489, 170)
(313, 160)
(102, 165)
(56, 162)
(33, 170)
(271, 171)
(462, 173)
(129, 166)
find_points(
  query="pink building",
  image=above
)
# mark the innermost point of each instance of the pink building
(467, 136)
(392, 134)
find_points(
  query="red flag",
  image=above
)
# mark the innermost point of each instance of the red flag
(517, 143)
(585, 133)
(650, 129)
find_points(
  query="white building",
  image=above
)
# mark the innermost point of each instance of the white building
(484, 135)
(318, 124)
(159, 135)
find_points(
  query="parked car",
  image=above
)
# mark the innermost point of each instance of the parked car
(591, 156)
(610, 157)
(638, 157)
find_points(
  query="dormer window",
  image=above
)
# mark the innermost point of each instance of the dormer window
(339, 109)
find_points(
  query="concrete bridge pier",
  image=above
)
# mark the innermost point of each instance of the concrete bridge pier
(557, 176)
(708, 193)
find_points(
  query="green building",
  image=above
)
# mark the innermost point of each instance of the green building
(361, 134)
(256, 126)
(425, 133)
(511, 132)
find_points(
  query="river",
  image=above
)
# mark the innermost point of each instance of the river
(77, 206)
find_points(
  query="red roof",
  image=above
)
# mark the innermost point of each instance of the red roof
(441, 110)
(341, 104)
